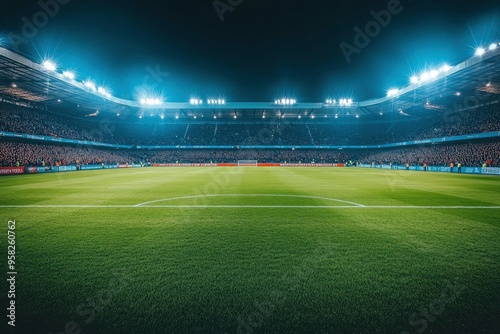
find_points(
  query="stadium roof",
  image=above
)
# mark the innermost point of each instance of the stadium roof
(476, 80)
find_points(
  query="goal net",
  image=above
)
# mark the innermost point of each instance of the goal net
(247, 163)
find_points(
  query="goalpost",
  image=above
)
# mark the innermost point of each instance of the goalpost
(247, 163)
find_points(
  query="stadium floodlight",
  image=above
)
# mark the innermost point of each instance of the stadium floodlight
(357, 116)
(434, 74)
(445, 68)
(103, 91)
(286, 102)
(149, 101)
(480, 52)
(216, 101)
(215, 117)
(392, 92)
(69, 75)
(493, 46)
(330, 101)
(89, 84)
(336, 116)
(49, 65)
(196, 102)
(345, 102)
(425, 76)
(414, 79)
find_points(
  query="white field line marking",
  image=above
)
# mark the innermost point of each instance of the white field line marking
(251, 195)
(241, 207)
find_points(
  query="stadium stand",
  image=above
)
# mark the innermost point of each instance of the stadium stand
(470, 154)
(33, 121)
(39, 122)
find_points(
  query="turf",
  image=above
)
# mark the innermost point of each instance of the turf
(199, 251)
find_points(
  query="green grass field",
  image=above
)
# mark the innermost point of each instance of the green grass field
(253, 250)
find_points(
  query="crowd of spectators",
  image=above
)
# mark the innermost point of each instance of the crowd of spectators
(23, 154)
(154, 132)
(469, 154)
(35, 121)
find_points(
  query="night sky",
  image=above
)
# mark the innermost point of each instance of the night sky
(262, 50)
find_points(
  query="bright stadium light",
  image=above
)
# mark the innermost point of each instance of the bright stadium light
(480, 52)
(493, 46)
(286, 102)
(345, 102)
(195, 102)
(149, 101)
(425, 76)
(49, 65)
(103, 91)
(414, 79)
(216, 101)
(392, 92)
(434, 74)
(445, 68)
(89, 84)
(69, 75)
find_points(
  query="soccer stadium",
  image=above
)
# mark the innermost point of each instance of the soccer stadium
(209, 215)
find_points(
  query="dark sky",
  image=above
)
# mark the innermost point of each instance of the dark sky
(263, 49)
